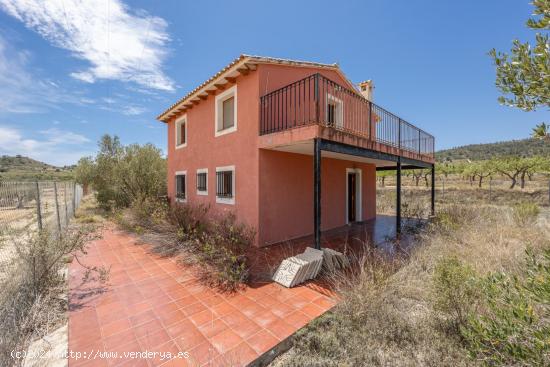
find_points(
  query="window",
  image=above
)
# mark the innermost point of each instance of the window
(228, 119)
(181, 186)
(181, 132)
(226, 112)
(225, 185)
(202, 181)
(331, 110)
(335, 111)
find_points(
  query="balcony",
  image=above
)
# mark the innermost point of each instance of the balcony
(341, 115)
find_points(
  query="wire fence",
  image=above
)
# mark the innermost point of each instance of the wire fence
(27, 207)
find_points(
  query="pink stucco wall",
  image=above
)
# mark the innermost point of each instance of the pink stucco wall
(204, 150)
(273, 190)
(286, 183)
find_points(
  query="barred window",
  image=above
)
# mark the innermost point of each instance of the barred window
(180, 186)
(202, 181)
(224, 186)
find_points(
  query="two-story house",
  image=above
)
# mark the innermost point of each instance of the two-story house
(291, 147)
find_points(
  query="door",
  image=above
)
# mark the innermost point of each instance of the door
(352, 196)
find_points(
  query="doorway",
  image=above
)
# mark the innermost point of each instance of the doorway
(353, 195)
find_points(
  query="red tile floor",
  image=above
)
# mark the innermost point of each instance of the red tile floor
(153, 304)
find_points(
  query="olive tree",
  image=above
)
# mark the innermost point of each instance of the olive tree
(524, 76)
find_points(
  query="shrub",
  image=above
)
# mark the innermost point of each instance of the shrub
(514, 328)
(149, 210)
(31, 292)
(217, 243)
(525, 212)
(190, 220)
(455, 287)
(222, 252)
(122, 175)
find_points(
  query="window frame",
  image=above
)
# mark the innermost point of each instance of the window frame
(222, 200)
(202, 170)
(180, 121)
(218, 119)
(338, 110)
(186, 192)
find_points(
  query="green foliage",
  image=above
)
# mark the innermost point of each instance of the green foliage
(20, 168)
(525, 212)
(515, 167)
(456, 293)
(524, 76)
(123, 175)
(541, 131)
(84, 172)
(514, 328)
(475, 152)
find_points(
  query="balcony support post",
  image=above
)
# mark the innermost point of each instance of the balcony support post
(317, 193)
(433, 190)
(398, 199)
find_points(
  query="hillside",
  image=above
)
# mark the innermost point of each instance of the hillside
(20, 168)
(523, 148)
(21, 163)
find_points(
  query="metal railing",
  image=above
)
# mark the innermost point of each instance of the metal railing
(318, 100)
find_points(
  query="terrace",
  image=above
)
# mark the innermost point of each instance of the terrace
(317, 116)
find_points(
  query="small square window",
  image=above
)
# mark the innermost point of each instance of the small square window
(181, 132)
(202, 181)
(225, 185)
(181, 186)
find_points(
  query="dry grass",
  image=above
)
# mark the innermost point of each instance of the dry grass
(33, 299)
(387, 316)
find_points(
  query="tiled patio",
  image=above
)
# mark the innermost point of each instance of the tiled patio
(154, 304)
(350, 239)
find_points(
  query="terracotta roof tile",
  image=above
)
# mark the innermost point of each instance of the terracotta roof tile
(253, 59)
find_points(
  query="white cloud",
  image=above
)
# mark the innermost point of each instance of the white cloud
(119, 44)
(57, 147)
(133, 110)
(21, 92)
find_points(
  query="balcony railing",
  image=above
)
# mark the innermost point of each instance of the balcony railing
(318, 100)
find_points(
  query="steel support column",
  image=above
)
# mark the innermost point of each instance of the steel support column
(317, 193)
(398, 198)
(433, 189)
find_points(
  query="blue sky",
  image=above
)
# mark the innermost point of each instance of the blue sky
(70, 73)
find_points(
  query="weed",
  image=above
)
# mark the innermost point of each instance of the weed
(525, 212)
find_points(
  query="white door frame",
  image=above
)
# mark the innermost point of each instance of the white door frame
(358, 191)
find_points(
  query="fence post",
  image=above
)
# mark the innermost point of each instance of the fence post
(66, 209)
(57, 207)
(38, 207)
(74, 199)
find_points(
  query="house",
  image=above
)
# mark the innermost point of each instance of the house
(292, 147)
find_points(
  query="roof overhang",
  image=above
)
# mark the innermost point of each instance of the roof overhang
(242, 65)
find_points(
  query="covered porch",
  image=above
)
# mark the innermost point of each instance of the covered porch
(352, 239)
(324, 120)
